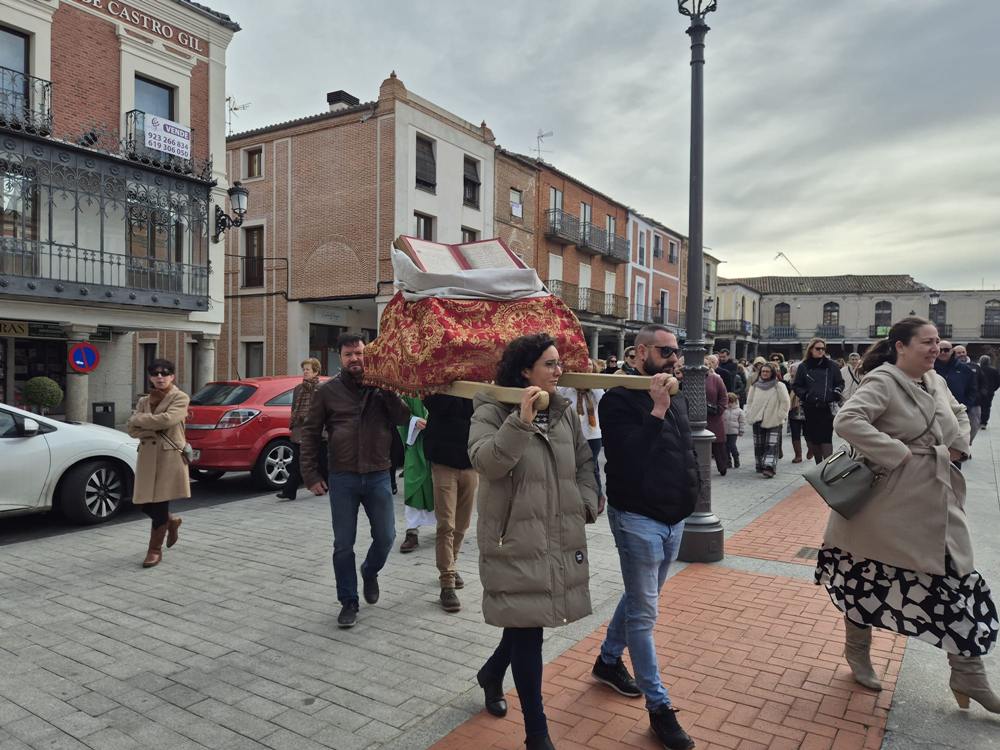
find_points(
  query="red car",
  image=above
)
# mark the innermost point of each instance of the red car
(242, 425)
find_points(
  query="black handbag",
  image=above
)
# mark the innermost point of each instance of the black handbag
(845, 482)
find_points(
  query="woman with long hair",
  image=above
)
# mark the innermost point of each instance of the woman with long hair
(767, 409)
(161, 470)
(796, 417)
(716, 399)
(904, 561)
(536, 492)
(818, 385)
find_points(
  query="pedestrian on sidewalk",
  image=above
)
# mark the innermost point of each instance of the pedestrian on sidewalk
(850, 373)
(628, 366)
(904, 561)
(536, 492)
(818, 385)
(446, 445)
(992, 386)
(736, 424)
(716, 398)
(301, 399)
(360, 421)
(161, 473)
(584, 401)
(982, 387)
(418, 487)
(767, 410)
(796, 417)
(962, 381)
(653, 484)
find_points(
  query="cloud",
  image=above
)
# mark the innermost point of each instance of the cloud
(856, 136)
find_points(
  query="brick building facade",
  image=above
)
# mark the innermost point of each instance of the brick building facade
(331, 192)
(106, 216)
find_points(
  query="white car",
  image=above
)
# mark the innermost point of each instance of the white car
(83, 470)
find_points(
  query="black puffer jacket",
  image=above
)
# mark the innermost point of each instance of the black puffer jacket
(818, 382)
(652, 468)
(446, 437)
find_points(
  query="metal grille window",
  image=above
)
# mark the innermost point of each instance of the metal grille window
(782, 315)
(883, 313)
(425, 226)
(470, 183)
(426, 167)
(831, 314)
(253, 261)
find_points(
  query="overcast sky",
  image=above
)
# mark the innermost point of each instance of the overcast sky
(856, 136)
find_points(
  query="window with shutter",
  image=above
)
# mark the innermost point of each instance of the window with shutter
(470, 193)
(426, 168)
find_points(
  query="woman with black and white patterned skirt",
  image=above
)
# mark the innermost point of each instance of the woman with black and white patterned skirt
(904, 561)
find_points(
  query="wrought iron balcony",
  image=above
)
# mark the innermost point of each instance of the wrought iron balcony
(25, 102)
(568, 293)
(781, 333)
(253, 271)
(593, 239)
(944, 330)
(735, 327)
(592, 301)
(644, 313)
(65, 272)
(561, 227)
(617, 249)
(830, 332)
(990, 331)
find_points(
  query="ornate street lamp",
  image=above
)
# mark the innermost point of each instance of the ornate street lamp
(703, 536)
(935, 298)
(238, 196)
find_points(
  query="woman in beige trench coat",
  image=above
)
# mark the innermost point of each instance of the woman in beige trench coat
(162, 472)
(904, 561)
(536, 492)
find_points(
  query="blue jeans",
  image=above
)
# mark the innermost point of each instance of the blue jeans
(348, 491)
(646, 548)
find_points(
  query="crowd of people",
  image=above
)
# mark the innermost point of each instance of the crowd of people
(533, 471)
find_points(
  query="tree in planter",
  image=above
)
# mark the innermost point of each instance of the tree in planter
(43, 393)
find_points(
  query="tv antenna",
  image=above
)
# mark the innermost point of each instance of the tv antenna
(538, 143)
(782, 255)
(231, 109)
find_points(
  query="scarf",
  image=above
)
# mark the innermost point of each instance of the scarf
(766, 385)
(586, 395)
(155, 397)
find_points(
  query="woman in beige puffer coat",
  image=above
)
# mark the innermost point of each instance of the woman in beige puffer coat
(536, 493)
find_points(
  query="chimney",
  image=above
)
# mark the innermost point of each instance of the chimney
(340, 100)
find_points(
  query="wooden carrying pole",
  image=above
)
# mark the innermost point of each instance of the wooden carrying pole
(509, 395)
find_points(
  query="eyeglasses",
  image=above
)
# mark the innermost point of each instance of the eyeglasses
(943, 349)
(160, 374)
(667, 351)
(553, 364)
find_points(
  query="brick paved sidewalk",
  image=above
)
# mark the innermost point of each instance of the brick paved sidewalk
(751, 661)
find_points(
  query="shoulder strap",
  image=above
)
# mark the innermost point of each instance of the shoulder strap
(930, 419)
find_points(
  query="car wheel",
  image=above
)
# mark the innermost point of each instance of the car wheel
(93, 491)
(205, 475)
(274, 464)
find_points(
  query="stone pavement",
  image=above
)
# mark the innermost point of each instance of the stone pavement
(232, 641)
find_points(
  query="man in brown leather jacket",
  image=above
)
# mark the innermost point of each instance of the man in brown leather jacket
(359, 422)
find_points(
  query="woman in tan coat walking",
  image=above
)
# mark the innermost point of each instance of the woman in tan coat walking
(162, 470)
(904, 561)
(536, 492)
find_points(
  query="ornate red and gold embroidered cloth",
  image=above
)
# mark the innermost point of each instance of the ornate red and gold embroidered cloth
(426, 345)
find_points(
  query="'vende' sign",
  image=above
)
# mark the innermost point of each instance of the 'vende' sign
(167, 136)
(146, 22)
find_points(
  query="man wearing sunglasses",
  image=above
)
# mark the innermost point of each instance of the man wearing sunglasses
(962, 381)
(652, 486)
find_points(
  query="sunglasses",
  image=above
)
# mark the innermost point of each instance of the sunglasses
(945, 349)
(667, 351)
(160, 374)
(819, 348)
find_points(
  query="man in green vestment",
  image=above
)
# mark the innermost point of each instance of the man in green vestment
(418, 490)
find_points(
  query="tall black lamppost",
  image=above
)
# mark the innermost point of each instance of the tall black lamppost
(703, 537)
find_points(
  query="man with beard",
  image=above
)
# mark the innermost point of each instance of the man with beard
(359, 422)
(652, 487)
(728, 371)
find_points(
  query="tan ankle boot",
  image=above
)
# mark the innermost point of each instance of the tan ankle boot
(155, 552)
(968, 681)
(173, 525)
(857, 651)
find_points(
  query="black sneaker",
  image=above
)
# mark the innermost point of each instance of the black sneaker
(449, 600)
(348, 616)
(616, 676)
(664, 724)
(370, 589)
